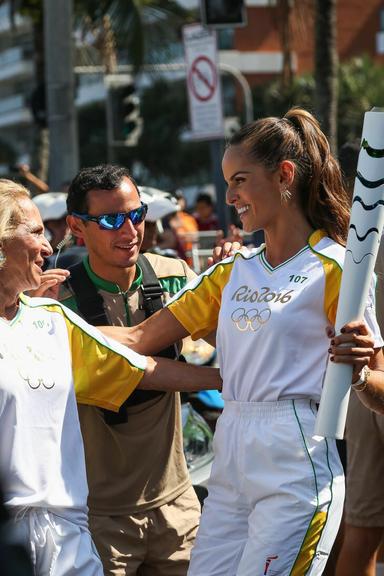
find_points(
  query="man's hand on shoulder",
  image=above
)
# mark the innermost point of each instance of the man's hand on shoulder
(227, 246)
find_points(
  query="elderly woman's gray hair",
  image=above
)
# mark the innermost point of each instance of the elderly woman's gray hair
(10, 212)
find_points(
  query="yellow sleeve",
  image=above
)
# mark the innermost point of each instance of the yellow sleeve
(332, 289)
(332, 267)
(105, 373)
(197, 305)
(332, 273)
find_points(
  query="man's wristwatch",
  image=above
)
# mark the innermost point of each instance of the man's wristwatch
(362, 382)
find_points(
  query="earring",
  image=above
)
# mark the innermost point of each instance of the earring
(2, 258)
(286, 195)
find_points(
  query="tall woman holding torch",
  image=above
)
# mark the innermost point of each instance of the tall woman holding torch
(276, 491)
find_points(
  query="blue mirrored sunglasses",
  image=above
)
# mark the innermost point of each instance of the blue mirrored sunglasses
(115, 221)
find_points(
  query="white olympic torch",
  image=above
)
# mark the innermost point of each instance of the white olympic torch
(365, 228)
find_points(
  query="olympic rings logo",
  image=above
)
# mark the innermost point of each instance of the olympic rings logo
(34, 380)
(251, 320)
(39, 382)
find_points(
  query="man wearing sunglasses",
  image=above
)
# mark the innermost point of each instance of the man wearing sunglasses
(143, 512)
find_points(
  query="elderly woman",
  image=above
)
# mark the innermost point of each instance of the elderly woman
(49, 359)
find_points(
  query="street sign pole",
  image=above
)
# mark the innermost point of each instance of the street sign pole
(217, 150)
(205, 102)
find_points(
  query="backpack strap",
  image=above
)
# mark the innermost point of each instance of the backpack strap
(151, 288)
(89, 302)
(152, 292)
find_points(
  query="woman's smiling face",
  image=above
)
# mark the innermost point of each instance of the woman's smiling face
(25, 249)
(254, 191)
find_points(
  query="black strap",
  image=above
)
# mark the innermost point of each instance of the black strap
(89, 302)
(91, 306)
(152, 292)
(151, 288)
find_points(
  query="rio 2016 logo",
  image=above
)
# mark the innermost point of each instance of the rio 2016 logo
(246, 294)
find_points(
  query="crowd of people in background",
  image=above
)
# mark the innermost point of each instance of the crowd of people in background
(114, 255)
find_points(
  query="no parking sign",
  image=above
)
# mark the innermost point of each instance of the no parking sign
(203, 82)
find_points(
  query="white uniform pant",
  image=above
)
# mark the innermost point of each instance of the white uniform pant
(275, 495)
(57, 545)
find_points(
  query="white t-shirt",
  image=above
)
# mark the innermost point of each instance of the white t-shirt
(271, 322)
(49, 359)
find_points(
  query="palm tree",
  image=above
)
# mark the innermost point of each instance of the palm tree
(326, 68)
(291, 13)
(291, 18)
(140, 27)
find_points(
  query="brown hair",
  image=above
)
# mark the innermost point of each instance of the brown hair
(10, 212)
(318, 180)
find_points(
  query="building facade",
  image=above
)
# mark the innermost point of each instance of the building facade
(256, 50)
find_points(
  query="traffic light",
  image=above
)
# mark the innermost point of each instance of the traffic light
(223, 13)
(124, 114)
(132, 121)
